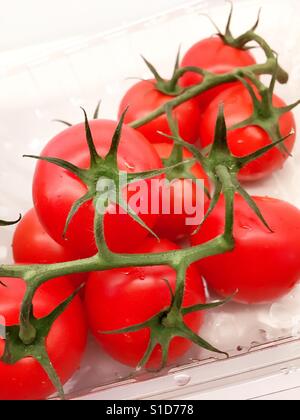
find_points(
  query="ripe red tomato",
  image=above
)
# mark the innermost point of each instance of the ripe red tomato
(26, 380)
(144, 98)
(173, 226)
(123, 297)
(32, 245)
(238, 106)
(55, 190)
(264, 266)
(213, 55)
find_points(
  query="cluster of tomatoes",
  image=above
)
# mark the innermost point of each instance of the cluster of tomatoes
(263, 266)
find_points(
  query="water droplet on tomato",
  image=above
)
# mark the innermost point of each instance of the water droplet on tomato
(246, 227)
(129, 166)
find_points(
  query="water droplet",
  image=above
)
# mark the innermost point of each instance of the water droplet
(289, 370)
(246, 227)
(182, 380)
(129, 166)
(138, 273)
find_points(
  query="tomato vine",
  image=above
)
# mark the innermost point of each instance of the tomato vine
(28, 338)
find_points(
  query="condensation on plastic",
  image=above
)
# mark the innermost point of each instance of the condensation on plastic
(56, 82)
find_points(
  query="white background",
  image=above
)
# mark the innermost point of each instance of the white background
(26, 22)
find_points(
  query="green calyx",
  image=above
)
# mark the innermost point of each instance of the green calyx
(228, 38)
(223, 167)
(166, 326)
(181, 171)
(242, 42)
(265, 115)
(28, 339)
(16, 350)
(167, 87)
(104, 169)
(175, 169)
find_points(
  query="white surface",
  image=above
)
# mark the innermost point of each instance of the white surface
(246, 377)
(64, 77)
(28, 22)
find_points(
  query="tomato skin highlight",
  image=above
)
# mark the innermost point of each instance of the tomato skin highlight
(174, 226)
(32, 245)
(238, 106)
(143, 98)
(124, 297)
(26, 380)
(55, 190)
(263, 266)
(213, 55)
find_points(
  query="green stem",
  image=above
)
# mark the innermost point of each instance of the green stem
(177, 151)
(99, 234)
(45, 272)
(180, 285)
(27, 331)
(210, 81)
(229, 192)
(252, 36)
(220, 170)
(42, 273)
(192, 69)
(98, 263)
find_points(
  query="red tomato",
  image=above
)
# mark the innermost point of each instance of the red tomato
(65, 343)
(32, 245)
(123, 297)
(55, 190)
(213, 55)
(264, 266)
(173, 226)
(143, 98)
(238, 106)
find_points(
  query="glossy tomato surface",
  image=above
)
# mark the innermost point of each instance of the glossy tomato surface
(143, 98)
(264, 266)
(182, 200)
(213, 55)
(55, 190)
(26, 380)
(121, 298)
(238, 106)
(33, 245)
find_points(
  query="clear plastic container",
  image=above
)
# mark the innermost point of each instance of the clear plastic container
(261, 340)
